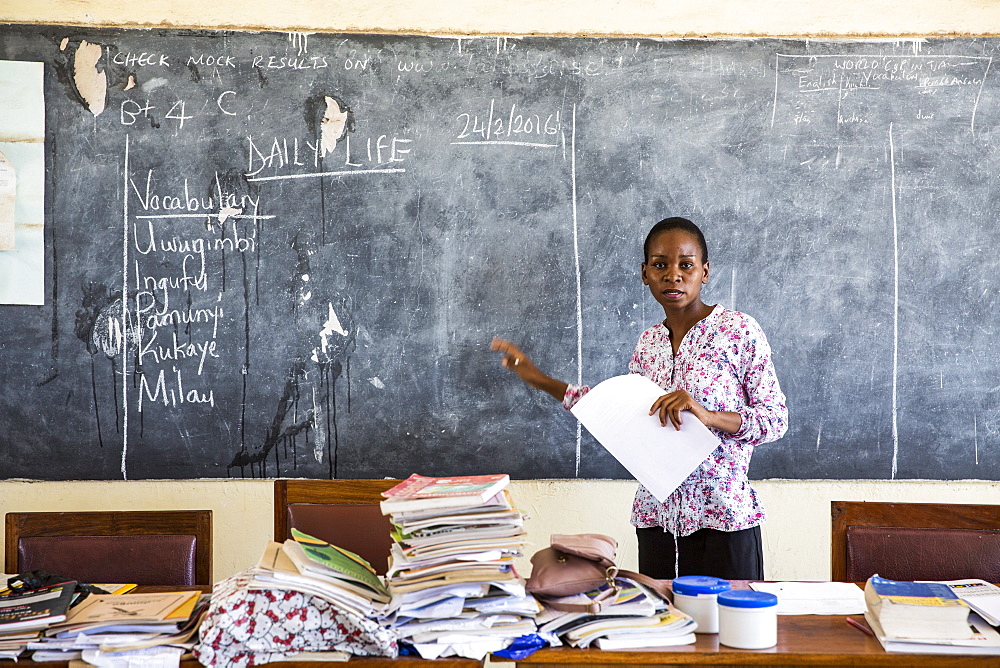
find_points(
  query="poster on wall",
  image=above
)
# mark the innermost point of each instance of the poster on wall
(22, 183)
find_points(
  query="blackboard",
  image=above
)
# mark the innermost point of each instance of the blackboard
(225, 297)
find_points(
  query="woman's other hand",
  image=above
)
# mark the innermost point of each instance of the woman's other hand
(669, 407)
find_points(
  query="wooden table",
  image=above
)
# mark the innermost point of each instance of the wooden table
(365, 662)
(354, 661)
(803, 640)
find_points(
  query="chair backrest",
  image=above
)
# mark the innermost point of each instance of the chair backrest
(155, 547)
(344, 513)
(914, 541)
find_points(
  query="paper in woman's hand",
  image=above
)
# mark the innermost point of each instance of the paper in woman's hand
(616, 412)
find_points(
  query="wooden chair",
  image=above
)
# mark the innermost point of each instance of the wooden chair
(342, 512)
(156, 547)
(914, 541)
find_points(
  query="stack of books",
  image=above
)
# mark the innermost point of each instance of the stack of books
(23, 616)
(312, 566)
(636, 618)
(925, 618)
(103, 625)
(451, 570)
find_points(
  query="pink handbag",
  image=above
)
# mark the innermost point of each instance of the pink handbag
(578, 563)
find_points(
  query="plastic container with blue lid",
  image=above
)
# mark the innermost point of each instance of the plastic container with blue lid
(696, 595)
(748, 619)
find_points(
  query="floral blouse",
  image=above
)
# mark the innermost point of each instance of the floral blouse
(724, 363)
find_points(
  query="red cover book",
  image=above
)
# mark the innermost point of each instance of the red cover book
(418, 486)
(420, 492)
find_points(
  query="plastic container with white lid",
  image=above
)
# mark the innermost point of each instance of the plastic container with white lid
(748, 619)
(696, 595)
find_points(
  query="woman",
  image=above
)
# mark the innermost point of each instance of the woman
(715, 363)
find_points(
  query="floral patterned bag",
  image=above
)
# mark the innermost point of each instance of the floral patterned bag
(248, 627)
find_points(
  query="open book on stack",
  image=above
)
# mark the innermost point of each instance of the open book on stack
(313, 566)
(451, 568)
(637, 618)
(925, 617)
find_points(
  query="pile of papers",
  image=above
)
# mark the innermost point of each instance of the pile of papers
(313, 566)
(451, 570)
(927, 618)
(636, 618)
(105, 625)
(815, 598)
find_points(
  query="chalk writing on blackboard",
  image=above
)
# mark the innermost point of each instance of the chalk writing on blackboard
(273, 254)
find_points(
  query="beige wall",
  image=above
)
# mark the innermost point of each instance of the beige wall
(797, 533)
(518, 17)
(796, 536)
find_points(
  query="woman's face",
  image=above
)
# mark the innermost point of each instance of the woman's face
(674, 270)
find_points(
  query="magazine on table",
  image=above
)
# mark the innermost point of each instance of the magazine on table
(979, 595)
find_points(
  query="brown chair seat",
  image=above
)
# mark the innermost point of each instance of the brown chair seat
(111, 559)
(140, 547)
(344, 513)
(914, 541)
(904, 553)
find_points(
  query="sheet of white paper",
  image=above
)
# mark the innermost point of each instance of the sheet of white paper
(616, 412)
(150, 657)
(815, 598)
(449, 607)
(22, 141)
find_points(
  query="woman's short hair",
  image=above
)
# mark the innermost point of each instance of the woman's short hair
(671, 224)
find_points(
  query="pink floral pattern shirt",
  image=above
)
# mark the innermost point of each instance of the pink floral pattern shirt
(724, 363)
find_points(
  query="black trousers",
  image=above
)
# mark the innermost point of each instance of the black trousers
(732, 555)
